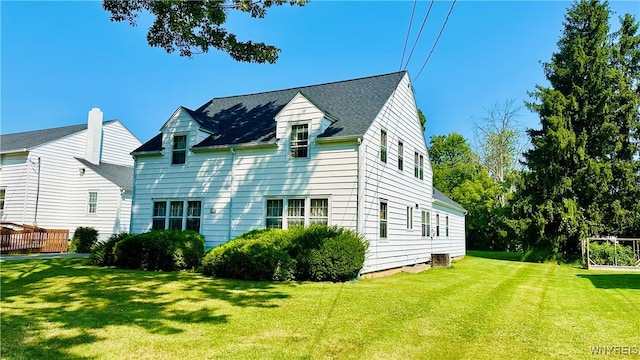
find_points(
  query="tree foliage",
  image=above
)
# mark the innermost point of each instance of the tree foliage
(583, 174)
(499, 144)
(458, 173)
(193, 27)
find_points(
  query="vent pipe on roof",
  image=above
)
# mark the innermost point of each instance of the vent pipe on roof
(94, 136)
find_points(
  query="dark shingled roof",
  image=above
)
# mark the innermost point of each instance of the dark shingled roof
(439, 196)
(352, 104)
(117, 174)
(30, 139)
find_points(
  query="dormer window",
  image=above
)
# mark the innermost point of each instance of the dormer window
(179, 154)
(300, 141)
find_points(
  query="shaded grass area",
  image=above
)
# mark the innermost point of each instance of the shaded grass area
(479, 309)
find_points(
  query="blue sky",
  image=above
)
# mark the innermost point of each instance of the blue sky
(60, 59)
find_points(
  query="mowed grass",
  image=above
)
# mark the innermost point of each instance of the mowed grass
(481, 308)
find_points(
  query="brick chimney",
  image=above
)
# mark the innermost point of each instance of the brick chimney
(94, 136)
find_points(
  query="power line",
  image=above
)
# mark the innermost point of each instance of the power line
(424, 21)
(438, 38)
(406, 41)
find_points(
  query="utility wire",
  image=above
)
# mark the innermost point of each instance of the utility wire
(436, 42)
(424, 21)
(406, 41)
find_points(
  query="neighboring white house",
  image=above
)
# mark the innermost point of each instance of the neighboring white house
(62, 178)
(349, 153)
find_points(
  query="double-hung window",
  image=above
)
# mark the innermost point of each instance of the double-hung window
(3, 193)
(437, 224)
(446, 225)
(418, 169)
(319, 212)
(383, 219)
(409, 217)
(299, 141)
(287, 212)
(295, 212)
(426, 230)
(92, 203)
(400, 155)
(181, 215)
(383, 146)
(179, 151)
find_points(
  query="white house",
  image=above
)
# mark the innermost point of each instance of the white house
(349, 153)
(62, 178)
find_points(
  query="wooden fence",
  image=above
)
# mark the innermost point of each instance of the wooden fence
(17, 238)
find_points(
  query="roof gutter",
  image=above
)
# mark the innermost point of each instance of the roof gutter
(449, 206)
(251, 145)
(337, 139)
(23, 151)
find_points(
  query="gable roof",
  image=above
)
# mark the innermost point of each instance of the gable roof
(352, 104)
(29, 139)
(438, 196)
(118, 174)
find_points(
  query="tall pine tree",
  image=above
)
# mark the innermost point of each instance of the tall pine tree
(582, 176)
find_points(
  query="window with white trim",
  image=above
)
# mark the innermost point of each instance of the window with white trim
(383, 146)
(299, 141)
(295, 212)
(274, 213)
(92, 202)
(418, 169)
(3, 194)
(409, 217)
(319, 212)
(284, 213)
(400, 155)
(181, 215)
(383, 219)
(179, 150)
(446, 225)
(437, 224)
(426, 227)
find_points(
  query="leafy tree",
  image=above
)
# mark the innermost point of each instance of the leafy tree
(582, 176)
(458, 173)
(196, 26)
(423, 120)
(499, 144)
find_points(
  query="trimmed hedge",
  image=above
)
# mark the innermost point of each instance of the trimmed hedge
(166, 250)
(317, 253)
(84, 238)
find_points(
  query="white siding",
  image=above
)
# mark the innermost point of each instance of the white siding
(399, 188)
(233, 196)
(60, 199)
(454, 243)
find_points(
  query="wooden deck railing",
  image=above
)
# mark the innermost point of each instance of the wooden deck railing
(17, 238)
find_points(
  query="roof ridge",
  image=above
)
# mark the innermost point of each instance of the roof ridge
(58, 127)
(299, 87)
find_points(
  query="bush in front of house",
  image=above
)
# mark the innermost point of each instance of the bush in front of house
(327, 253)
(166, 250)
(605, 253)
(317, 253)
(255, 255)
(84, 238)
(102, 253)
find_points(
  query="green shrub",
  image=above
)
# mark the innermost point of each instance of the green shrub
(327, 253)
(319, 253)
(84, 238)
(102, 253)
(165, 250)
(605, 253)
(256, 255)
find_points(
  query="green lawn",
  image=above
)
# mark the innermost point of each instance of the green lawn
(482, 308)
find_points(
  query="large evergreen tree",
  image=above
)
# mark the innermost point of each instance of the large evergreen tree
(583, 164)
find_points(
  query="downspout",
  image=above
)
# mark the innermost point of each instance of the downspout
(133, 195)
(358, 197)
(35, 216)
(233, 161)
